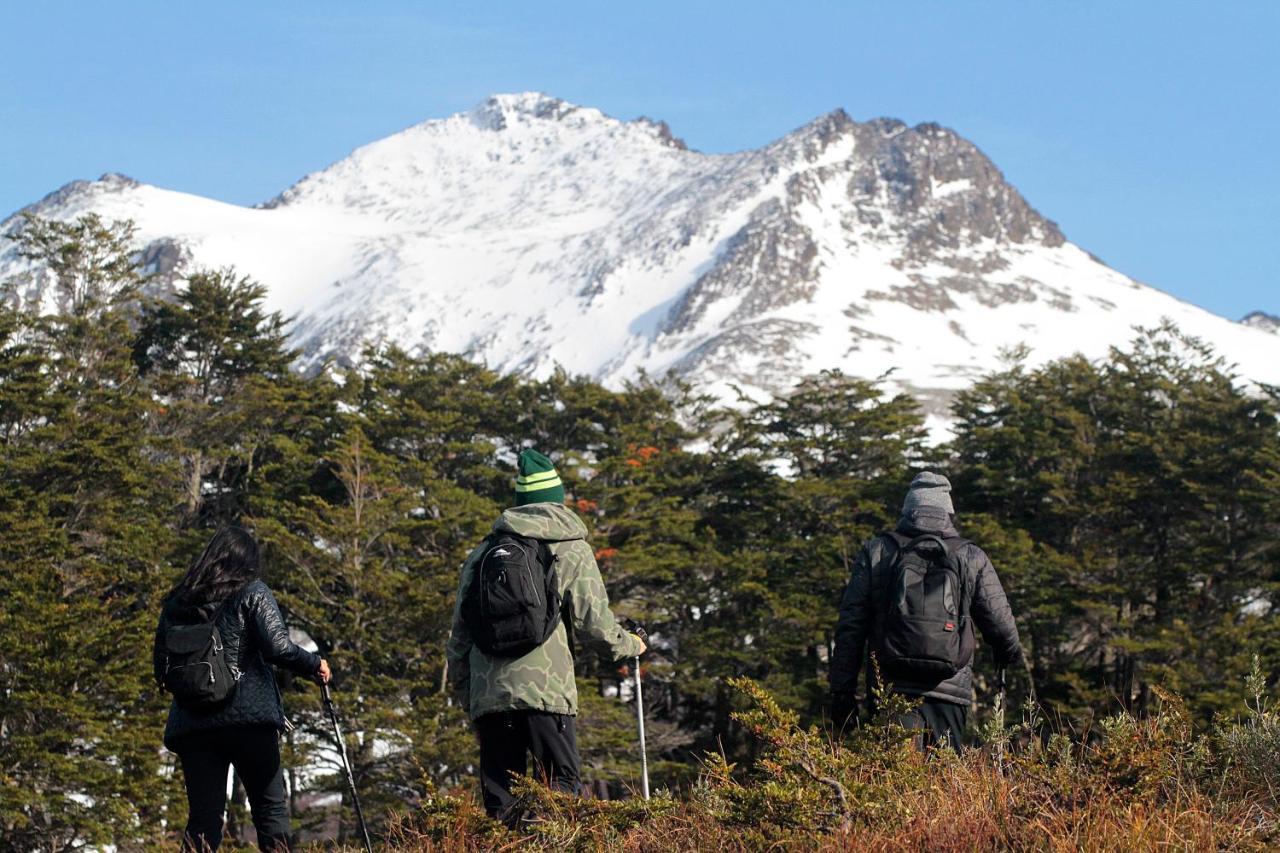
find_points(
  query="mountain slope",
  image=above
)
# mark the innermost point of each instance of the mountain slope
(529, 233)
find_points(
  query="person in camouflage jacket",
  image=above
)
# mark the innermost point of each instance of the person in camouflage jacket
(527, 705)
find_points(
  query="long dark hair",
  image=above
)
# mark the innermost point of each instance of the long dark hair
(228, 562)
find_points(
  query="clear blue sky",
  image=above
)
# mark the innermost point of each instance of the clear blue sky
(1149, 130)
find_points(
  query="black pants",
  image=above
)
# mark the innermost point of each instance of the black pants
(506, 741)
(940, 723)
(255, 753)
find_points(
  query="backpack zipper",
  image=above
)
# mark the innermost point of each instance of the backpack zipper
(529, 573)
(212, 678)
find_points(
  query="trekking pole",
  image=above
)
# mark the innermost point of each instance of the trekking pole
(1000, 701)
(346, 764)
(644, 754)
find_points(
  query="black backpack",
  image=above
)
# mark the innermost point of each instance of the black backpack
(196, 669)
(512, 604)
(923, 629)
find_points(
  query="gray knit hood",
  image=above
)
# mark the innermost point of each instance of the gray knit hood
(928, 503)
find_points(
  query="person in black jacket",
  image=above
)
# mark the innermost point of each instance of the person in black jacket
(224, 585)
(944, 703)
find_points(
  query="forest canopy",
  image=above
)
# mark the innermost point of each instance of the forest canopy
(1131, 506)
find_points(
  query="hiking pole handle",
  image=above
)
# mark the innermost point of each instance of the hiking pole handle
(636, 628)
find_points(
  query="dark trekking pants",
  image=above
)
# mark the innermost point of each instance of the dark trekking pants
(939, 722)
(254, 751)
(508, 738)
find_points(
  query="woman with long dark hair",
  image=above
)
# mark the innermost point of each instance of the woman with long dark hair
(221, 619)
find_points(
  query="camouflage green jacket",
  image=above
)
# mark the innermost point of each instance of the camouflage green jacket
(542, 680)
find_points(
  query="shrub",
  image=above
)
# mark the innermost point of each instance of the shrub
(1136, 783)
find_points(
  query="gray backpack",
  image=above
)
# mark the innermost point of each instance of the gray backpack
(923, 632)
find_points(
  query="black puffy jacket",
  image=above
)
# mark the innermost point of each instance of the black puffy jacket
(255, 637)
(989, 610)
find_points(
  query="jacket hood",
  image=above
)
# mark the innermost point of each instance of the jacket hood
(182, 611)
(550, 522)
(922, 522)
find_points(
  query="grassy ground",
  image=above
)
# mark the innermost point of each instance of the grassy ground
(1135, 785)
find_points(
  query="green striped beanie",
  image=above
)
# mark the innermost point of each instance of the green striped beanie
(538, 480)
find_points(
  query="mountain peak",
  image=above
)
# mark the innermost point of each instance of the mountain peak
(80, 189)
(496, 111)
(826, 128)
(118, 181)
(502, 111)
(529, 232)
(1262, 320)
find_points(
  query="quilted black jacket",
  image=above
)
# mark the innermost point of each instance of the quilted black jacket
(255, 637)
(989, 609)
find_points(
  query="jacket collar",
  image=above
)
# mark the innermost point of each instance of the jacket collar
(928, 522)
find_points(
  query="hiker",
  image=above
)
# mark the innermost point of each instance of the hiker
(912, 600)
(508, 654)
(220, 631)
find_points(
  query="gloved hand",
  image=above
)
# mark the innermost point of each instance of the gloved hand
(462, 695)
(637, 630)
(844, 711)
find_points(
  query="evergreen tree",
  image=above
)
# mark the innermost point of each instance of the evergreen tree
(356, 577)
(86, 505)
(212, 356)
(1131, 505)
(1134, 500)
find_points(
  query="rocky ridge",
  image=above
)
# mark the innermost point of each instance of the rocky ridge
(531, 233)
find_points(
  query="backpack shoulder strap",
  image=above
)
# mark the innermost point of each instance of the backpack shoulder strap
(224, 606)
(890, 549)
(906, 544)
(215, 613)
(893, 593)
(487, 544)
(894, 543)
(953, 547)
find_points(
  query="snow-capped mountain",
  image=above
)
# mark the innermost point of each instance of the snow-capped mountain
(529, 232)
(1263, 320)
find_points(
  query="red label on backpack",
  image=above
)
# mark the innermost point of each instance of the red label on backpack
(950, 626)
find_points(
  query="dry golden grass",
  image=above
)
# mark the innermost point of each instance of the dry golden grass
(1149, 784)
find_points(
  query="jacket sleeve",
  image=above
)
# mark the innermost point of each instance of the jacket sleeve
(458, 648)
(273, 636)
(587, 604)
(157, 653)
(852, 627)
(991, 611)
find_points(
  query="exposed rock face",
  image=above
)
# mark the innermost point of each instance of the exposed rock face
(529, 232)
(1262, 320)
(165, 262)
